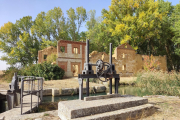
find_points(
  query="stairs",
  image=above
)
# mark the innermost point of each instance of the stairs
(106, 107)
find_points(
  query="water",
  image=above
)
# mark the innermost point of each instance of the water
(3, 106)
(123, 90)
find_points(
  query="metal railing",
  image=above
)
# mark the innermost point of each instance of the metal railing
(32, 90)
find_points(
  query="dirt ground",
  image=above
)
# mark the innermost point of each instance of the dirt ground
(168, 107)
(67, 83)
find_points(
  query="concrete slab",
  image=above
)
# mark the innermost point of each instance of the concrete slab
(101, 97)
(80, 108)
(132, 113)
(15, 113)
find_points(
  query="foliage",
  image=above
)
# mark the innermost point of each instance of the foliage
(22, 40)
(75, 20)
(150, 63)
(150, 27)
(52, 58)
(9, 73)
(98, 34)
(46, 69)
(17, 42)
(135, 21)
(160, 83)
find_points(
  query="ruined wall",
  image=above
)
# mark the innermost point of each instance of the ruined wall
(126, 61)
(43, 54)
(71, 61)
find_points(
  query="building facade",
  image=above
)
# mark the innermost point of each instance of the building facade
(126, 61)
(71, 58)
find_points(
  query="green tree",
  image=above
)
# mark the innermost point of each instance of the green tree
(50, 27)
(75, 20)
(19, 45)
(136, 21)
(98, 33)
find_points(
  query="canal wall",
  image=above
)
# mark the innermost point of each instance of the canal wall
(71, 91)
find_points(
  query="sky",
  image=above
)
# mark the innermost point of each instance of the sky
(12, 10)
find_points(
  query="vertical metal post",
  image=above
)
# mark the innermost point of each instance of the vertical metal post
(87, 51)
(28, 85)
(110, 86)
(110, 61)
(80, 80)
(87, 87)
(116, 85)
(87, 61)
(22, 86)
(41, 89)
(31, 93)
(38, 94)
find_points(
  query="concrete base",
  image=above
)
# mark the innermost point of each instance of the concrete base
(103, 107)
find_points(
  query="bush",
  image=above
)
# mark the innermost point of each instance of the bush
(160, 83)
(9, 73)
(45, 69)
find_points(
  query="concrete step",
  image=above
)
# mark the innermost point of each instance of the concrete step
(80, 108)
(132, 113)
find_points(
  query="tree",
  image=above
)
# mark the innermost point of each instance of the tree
(98, 34)
(75, 20)
(136, 21)
(16, 40)
(50, 27)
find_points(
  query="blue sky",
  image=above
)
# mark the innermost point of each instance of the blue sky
(12, 10)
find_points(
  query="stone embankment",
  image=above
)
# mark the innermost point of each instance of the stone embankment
(71, 91)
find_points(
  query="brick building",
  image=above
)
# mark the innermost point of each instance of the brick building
(71, 57)
(126, 61)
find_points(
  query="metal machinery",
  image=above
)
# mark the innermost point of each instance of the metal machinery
(103, 70)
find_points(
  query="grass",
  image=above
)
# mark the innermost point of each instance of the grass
(46, 114)
(160, 83)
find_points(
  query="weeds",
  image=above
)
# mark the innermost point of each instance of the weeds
(160, 83)
(46, 114)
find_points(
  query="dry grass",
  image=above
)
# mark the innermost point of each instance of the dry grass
(169, 108)
(160, 83)
(66, 83)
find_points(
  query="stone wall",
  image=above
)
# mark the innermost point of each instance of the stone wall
(126, 61)
(46, 52)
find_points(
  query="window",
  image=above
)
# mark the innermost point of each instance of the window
(125, 46)
(45, 56)
(75, 50)
(123, 67)
(123, 55)
(62, 49)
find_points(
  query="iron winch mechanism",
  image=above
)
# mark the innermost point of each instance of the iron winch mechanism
(103, 70)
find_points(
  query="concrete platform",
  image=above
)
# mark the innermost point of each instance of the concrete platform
(102, 107)
(15, 113)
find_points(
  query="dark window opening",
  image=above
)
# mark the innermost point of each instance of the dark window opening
(45, 56)
(62, 49)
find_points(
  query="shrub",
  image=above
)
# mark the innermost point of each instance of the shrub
(46, 69)
(150, 63)
(160, 83)
(9, 73)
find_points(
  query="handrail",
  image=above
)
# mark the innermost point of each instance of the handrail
(31, 82)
